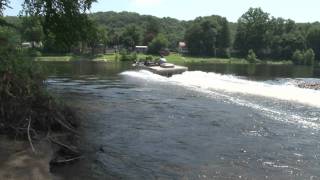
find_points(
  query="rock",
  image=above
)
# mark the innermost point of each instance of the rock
(315, 86)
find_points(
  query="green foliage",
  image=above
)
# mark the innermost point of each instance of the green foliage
(31, 29)
(127, 56)
(284, 37)
(3, 5)
(309, 57)
(150, 26)
(103, 37)
(131, 37)
(159, 43)
(298, 57)
(91, 36)
(9, 36)
(207, 36)
(251, 57)
(152, 29)
(313, 41)
(149, 58)
(251, 31)
(63, 21)
(304, 57)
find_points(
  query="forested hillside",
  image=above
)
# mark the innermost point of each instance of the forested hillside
(266, 36)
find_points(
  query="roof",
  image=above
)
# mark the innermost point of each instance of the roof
(141, 47)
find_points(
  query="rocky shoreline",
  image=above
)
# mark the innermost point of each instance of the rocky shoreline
(315, 86)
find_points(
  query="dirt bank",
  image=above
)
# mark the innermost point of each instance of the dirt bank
(19, 162)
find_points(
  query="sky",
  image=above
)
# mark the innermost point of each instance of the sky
(298, 10)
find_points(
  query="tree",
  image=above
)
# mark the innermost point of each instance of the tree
(92, 36)
(206, 35)
(284, 37)
(298, 57)
(251, 31)
(65, 20)
(31, 30)
(131, 37)
(103, 36)
(313, 41)
(157, 44)
(152, 29)
(309, 57)
(252, 58)
(224, 39)
(3, 5)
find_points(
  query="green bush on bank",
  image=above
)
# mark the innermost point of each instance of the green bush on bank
(25, 101)
(128, 56)
(304, 57)
(251, 58)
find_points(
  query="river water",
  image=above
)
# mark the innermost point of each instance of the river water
(212, 122)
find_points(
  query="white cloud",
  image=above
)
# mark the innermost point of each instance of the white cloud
(146, 2)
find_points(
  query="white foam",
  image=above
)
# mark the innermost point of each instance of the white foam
(228, 83)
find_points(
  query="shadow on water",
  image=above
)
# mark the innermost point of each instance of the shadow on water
(259, 72)
(149, 129)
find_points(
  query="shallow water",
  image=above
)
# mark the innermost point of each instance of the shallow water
(198, 125)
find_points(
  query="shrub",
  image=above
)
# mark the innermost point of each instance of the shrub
(304, 58)
(34, 53)
(149, 58)
(126, 56)
(251, 58)
(309, 57)
(298, 58)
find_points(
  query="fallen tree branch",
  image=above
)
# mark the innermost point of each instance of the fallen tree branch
(73, 149)
(68, 160)
(29, 137)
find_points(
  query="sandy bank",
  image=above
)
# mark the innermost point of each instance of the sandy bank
(18, 162)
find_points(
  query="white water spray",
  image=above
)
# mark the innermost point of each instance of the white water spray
(203, 81)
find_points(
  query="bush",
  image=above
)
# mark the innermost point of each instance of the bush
(251, 58)
(149, 58)
(304, 58)
(309, 57)
(34, 53)
(126, 56)
(298, 58)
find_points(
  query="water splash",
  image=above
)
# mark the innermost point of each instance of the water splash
(228, 83)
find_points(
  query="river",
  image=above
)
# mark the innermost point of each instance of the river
(215, 121)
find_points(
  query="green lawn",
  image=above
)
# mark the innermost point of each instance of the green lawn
(176, 58)
(106, 57)
(172, 58)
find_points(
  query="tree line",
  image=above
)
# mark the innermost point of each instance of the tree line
(256, 31)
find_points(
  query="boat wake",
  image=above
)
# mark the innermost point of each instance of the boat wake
(279, 100)
(201, 81)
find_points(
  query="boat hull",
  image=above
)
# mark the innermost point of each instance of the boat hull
(169, 71)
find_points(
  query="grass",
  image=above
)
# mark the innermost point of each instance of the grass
(67, 58)
(176, 58)
(172, 58)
